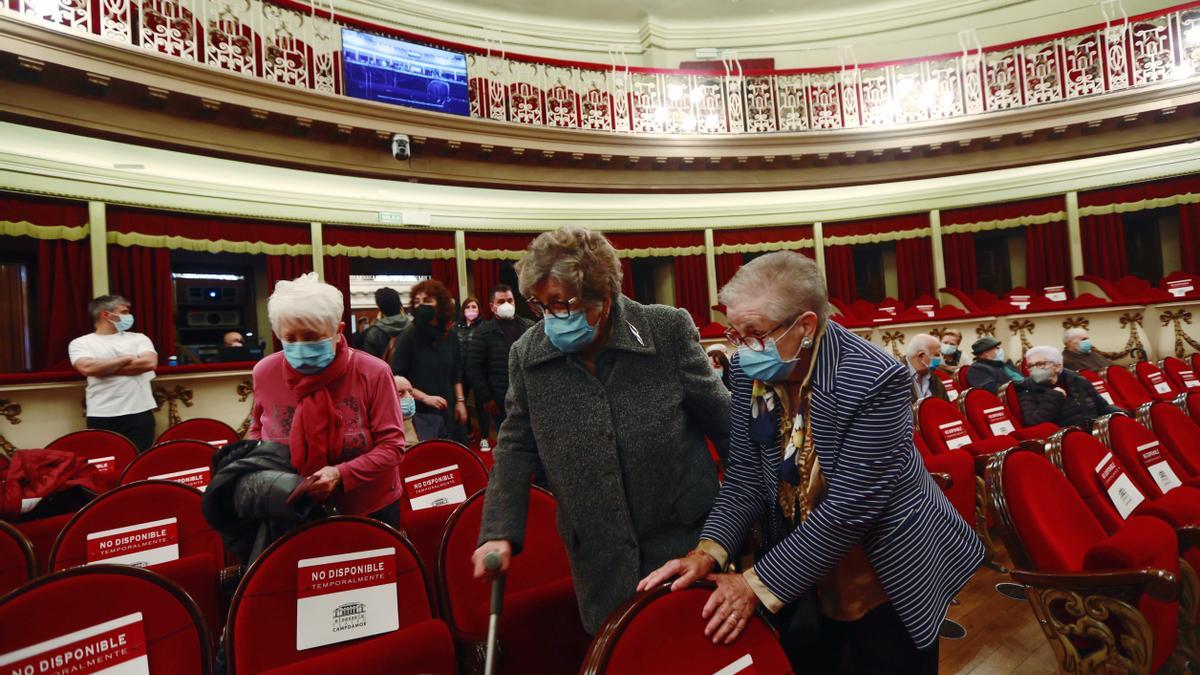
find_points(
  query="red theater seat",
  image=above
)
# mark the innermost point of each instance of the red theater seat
(427, 466)
(42, 532)
(1181, 286)
(187, 462)
(214, 432)
(959, 465)
(990, 418)
(149, 610)
(1058, 544)
(952, 390)
(1154, 381)
(1101, 387)
(1195, 362)
(1126, 388)
(1151, 466)
(963, 383)
(660, 631)
(1192, 405)
(148, 507)
(944, 428)
(540, 629)
(266, 617)
(1180, 374)
(18, 563)
(108, 451)
(1178, 432)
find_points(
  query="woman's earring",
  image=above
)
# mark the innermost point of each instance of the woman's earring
(806, 343)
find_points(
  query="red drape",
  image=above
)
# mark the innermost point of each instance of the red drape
(633, 240)
(627, 278)
(42, 211)
(839, 272)
(1104, 246)
(691, 287)
(914, 267)
(727, 265)
(193, 226)
(1047, 256)
(909, 221)
(1167, 187)
(377, 237)
(337, 274)
(1189, 237)
(143, 276)
(487, 275)
(285, 268)
(958, 254)
(64, 288)
(446, 272)
(762, 235)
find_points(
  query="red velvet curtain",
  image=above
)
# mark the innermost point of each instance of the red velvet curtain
(839, 272)
(1104, 246)
(192, 226)
(487, 275)
(727, 265)
(1189, 237)
(958, 253)
(64, 288)
(446, 272)
(285, 268)
(691, 287)
(337, 274)
(627, 278)
(914, 267)
(763, 235)
(1047, 256)
(143, 276)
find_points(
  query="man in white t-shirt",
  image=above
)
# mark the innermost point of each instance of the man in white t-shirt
(119, 366)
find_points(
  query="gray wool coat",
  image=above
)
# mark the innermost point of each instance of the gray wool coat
(624, 450)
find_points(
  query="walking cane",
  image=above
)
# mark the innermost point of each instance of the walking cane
(491, 562)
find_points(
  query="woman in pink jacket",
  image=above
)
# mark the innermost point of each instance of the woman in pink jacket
(335, 407)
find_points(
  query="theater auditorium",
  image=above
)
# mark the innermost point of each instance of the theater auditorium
(651, 337)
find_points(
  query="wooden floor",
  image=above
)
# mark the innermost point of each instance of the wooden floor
(1002, 634)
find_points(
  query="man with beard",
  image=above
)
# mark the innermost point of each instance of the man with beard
(429, 356)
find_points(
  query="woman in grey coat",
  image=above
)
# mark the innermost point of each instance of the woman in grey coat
(615, 398)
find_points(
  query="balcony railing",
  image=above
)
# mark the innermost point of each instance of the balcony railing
(303, 49)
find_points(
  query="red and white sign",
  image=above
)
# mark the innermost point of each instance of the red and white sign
(1160, 385)
(141, 545)
(1019, 301)
(1102, 389)
(436, 488)
(104, 464)
(1155, 462)
(954, 433)
(1189, 379)
(198, 477)
(998, 422)
(743, 666)
(1120, 489)
(1056, 293)
(116, 647)
(1180, 288)
(345, 597)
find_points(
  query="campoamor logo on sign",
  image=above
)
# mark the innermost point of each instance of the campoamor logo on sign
(116, 647)
(140, 545)
(344, 597)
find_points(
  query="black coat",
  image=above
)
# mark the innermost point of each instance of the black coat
(1075, 404)
(988, 374)
(487, 361)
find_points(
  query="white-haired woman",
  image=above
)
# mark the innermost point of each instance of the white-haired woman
(1054, 394)
(821, 457)
(615, 399)
(1079, 355)
(335, 407)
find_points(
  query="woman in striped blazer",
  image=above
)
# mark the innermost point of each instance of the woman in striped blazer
(821, 460)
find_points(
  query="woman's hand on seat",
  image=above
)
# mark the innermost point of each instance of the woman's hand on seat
(685, 570)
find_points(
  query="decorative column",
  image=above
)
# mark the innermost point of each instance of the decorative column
(710, 268)
(318, 249)
(98, 247)
(819, 241)
(939, 260)
(460, 264)
(1074, 239)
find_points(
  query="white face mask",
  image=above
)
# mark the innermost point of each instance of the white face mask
(506, 311)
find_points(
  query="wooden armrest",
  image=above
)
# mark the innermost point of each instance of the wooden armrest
(943, 480)
(1159, 584)
(1189, 537)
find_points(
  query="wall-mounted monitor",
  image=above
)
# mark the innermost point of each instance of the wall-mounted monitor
(384, 69)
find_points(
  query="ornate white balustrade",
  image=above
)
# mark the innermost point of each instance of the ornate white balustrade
(262, 40)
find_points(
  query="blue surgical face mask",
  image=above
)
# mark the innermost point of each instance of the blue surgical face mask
(1085, 346)
(935, 362)
(948, 349)
(123, 323)
(309, 357)
(570, 335)
(1000, 354)
(766, 365)
(408, 407)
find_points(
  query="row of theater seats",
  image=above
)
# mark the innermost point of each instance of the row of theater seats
(1179, 286)
(1102, 526)
(341, 592)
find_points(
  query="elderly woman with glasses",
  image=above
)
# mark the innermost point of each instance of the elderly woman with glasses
(821, 458)
(615, 399)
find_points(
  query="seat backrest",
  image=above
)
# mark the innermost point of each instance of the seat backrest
(1180, 284)
(921, 445)
(108, 451)
(359, 571)
(1008, 395)
(187, 462)
(438, 473)
(18, 563)
(659, 632)
(1192, 402)
(1101, 387)
(963, 383)
(1155, 382)
(952, 390)
(1195, 362)
(1180, 374)
(1126, 387)
(206, 430)
(943, 426)
(1152, 467)
(1045, 522)
(1179, 433)
(157, 622)
(987, 414)
(542, 561)
(1099, 479)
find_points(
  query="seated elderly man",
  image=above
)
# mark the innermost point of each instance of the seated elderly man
(1079, 354)
(991, 369)
(1054, 394)
(921, 356)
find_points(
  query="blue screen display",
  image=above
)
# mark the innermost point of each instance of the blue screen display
(393, 71)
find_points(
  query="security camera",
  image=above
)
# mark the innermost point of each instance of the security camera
(401, 149)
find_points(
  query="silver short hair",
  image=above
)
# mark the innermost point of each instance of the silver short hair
(105, 303)
(582, 260)
(1073, 333)
(308, 301)
(785, 284)
(1044, 353)
(919, 341)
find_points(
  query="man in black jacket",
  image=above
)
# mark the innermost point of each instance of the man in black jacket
(392, 320)
(487, 357)
(990, 369)
(1053, 394)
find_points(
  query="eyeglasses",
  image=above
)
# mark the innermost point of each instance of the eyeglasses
(559, 309)
(1042, 364)
(756, 343)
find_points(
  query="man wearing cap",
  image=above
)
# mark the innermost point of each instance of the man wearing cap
(991, 369)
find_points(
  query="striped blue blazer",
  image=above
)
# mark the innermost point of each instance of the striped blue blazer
(879, 493)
